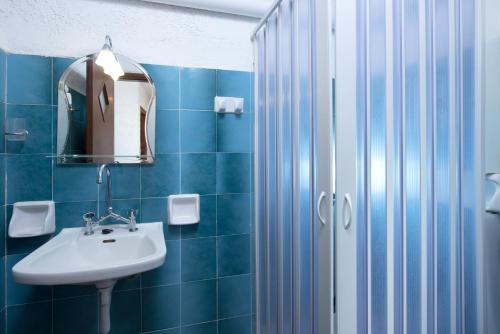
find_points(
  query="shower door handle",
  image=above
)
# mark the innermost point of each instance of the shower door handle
(347, 211)
(321, 198)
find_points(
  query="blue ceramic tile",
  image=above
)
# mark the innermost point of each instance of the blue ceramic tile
(59, 65)
(155, 210)
(170, 271)
(2, 230)
(30, 178)
(233, 253)
(166, 81)
(233, 214)
(167, 131)
(160, 308)
(3, 75)
(70, 214)
(70, 291)
(2, 178)
(3, 111)
(38, 120)
(233, 133)
(54, 130)
(128, 283)
(126, 312)
(197, 131)
(21, 293)
(199, 302)
(125, 182)
(233, 173)
(2, 283)
(39, 315)
(198, 173)
(3, 321)
(198, 259)
(162, 178)
(168, 331)
(208, 220)
(197, 88)
(235, 84)
(20, 246)
(29, 79)
(121, 207)
(205, 328)
(75, 183)
(240, 325)
(76, 315)
(234, 296)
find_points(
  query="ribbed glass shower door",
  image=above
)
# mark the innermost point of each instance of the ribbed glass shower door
(410, 115)
(289, 177)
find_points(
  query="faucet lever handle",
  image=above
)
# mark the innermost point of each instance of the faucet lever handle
(89, 222)
(132, 213)
(88, 217)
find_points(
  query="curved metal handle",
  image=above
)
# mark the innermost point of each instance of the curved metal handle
(322, 196)
(20, 133)
(347, 214)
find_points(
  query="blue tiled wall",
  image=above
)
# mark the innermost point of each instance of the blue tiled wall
(205, 284)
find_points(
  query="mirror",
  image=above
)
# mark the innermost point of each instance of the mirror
(100, 120)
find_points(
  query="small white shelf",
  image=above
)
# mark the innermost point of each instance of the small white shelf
(183, 209)
(31, 219)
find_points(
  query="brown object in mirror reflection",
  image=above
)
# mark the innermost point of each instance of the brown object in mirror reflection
(100, 123)
(144, 147)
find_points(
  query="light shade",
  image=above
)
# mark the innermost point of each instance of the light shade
(108, 61)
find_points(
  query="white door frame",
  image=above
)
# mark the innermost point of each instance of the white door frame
(323, 147)
(345, 99)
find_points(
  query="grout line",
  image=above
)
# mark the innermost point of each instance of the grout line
(216, 120)
(180, 190)
(200, 323)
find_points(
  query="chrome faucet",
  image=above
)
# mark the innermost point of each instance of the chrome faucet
(109, 200)
(88, 218)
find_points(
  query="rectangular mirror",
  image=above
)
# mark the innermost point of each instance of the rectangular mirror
(100, 120)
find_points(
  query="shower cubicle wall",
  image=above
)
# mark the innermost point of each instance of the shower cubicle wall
(293, 85)
(412, 134)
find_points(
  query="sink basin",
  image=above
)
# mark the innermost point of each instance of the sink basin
(74, 258)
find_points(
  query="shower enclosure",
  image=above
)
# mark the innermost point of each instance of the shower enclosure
(406, 248)
(409, 72)
(293, 195)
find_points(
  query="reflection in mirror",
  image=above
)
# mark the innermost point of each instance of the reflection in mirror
(101, 120)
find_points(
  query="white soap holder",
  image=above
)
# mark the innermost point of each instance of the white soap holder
(184, 209)
(225, 104)
(31, 219)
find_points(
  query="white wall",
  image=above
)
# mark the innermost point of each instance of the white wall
(145, 32)
(492, 86)
(491, 222)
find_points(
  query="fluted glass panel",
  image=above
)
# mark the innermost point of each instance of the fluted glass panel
(417, 70)
(285, 189)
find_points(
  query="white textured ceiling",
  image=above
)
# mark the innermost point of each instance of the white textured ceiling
(251, 8)
(146, 32)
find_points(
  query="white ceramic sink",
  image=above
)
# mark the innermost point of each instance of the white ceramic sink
(74, 258)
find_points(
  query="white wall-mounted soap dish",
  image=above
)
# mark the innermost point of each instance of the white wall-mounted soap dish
(31, 219)
(183, 209)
